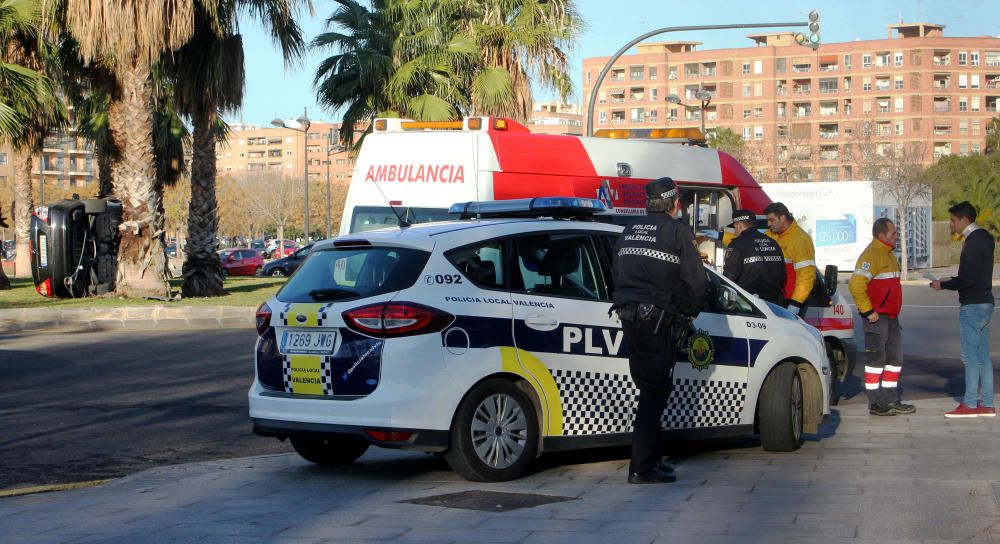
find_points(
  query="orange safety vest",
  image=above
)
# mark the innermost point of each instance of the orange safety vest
(875, 282)
(800, 262)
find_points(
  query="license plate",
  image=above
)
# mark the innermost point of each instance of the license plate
(43, 250)
(307, 342)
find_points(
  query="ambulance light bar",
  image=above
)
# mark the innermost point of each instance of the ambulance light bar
(675, 134)
(550, 206)
(469, 123)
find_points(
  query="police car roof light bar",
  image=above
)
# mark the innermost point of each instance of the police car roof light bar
(560, 207)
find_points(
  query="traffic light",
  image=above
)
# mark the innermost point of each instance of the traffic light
(811, 40)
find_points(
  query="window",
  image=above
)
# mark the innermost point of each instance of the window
(974, 81)
(673, 114)
(975, 103)
(602, 117)
(588, 77)
(746, 133)
(482, 264)
(899, 128)
(866, 85)
(341, 161)
(897, 59)
(898, 105)
(899, 83)
(746, 68)
(3, 158)
(746, 113)
(747, 89)
(758, 67)
(780, 65)
(652, 72)
(847, 61)
(975, 128)
(963, 58)
(867, 106)
(963, 104)
(963, 81)
(672, 73)
(652, 93)
(558, 265)
(882, 59)
(758, 89)
(653, 116)
(963, 149)
(636, 73)
(974, 58)
(975, 148)
(866, 61)
(758, 111)
(758, 132)
(963, 127)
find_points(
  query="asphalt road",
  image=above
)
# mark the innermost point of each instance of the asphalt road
(85, 406)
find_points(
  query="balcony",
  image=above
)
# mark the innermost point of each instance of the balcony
(802, 89)
(801, 68)
(803, 113)
(829, 135)
(942, 107)
(618, 121)
(709, 72)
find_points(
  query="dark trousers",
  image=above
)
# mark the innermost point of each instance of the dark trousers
(884, 359)
(651, 362)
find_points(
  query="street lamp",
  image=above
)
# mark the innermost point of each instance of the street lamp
(704, 96)
(620, 52)
(304, 122)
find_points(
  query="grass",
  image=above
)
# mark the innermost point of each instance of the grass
(240, 291)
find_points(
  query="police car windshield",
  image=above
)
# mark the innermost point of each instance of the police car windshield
(351, 273)
(367, 218)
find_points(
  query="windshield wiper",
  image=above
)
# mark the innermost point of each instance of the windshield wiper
(331, 294)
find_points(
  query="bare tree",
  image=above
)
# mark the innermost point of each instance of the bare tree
(272, 197)
(896, 167)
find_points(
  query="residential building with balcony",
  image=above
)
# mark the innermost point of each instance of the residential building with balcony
(799, 107)
(251, 149)
(556, 118)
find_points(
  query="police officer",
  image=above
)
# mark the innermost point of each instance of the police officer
(659, 281)
(754, 261)
(800, 256)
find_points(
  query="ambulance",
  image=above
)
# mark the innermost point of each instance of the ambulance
(414, 170)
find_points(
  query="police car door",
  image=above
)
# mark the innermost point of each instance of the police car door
(560, 302)
(710, 379)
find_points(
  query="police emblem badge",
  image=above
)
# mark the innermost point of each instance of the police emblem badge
(701, 350)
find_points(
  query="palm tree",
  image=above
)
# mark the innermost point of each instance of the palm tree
(128, 38)
(29, 106)
(992, 136)
(210, 77)
(356, 75)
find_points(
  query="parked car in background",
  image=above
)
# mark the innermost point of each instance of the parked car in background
(241, 262)
(171, 250)
(287, 249)
(259, 245)
(287, 265)
(8, 249)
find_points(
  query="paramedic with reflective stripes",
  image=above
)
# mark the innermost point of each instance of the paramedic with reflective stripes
(800, 256)
(878, 296)
(754, 261)
(658, 281)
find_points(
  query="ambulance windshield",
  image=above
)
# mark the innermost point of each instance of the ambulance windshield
(367, 218)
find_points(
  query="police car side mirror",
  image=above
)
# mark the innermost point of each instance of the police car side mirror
(728, 298)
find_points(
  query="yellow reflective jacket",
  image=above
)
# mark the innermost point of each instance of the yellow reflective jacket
(800, 262)
(875, 283)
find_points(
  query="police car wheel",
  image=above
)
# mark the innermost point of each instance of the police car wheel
(494, 436)
(780, 409)
(330, 450)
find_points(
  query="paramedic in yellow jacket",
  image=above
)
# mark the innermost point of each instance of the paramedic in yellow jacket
(878, 296)
(800, 256)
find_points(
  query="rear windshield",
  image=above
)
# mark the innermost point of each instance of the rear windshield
(349, 273)
(374, 217)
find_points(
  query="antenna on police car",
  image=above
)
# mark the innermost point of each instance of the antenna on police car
(403, 223)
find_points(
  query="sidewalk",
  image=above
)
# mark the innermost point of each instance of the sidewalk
(920, 478)
(126, 317)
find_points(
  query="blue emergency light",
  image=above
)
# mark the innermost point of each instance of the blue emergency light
(546, 206)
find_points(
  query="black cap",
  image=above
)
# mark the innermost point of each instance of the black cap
(742, 215)
(661, 188)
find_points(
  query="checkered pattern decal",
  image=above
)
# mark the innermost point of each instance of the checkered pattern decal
(601, 403)
(645, 252)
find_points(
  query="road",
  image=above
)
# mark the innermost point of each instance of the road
(85, 406)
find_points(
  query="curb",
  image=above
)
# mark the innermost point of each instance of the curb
(127, 318)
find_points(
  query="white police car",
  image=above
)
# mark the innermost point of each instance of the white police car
(490, 340)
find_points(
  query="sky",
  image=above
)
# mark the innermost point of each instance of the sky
(274, 91)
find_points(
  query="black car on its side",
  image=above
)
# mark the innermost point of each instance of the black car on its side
(284, 267)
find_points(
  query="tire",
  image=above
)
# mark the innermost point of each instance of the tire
(256, 271)
(779, 409)
(277, 273)
(225, 273)
(504, 451)
(332, 450)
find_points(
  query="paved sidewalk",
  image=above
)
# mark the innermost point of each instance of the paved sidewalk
(920, 478)
(126, 317)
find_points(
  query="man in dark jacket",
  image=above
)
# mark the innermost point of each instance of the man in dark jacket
(659, 282)
(754, 261)
(974, 284)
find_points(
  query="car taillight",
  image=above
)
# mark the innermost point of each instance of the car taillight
(42, 213)
(263, 318)
(392, 319)
(44, 288)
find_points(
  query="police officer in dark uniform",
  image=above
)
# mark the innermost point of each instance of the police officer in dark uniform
(754, 261)
(659, 285)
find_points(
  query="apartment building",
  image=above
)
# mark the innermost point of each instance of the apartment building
(799, 108)
(253, 149)
(556, 118)
(67, 161)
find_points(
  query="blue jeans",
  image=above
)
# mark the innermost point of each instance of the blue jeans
(974, 326)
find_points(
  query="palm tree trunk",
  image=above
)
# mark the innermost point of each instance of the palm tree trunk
(202, 269)
(141, 257)
(104, 179)
(23, 205)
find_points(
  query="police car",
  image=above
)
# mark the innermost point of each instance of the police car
(489, 339)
